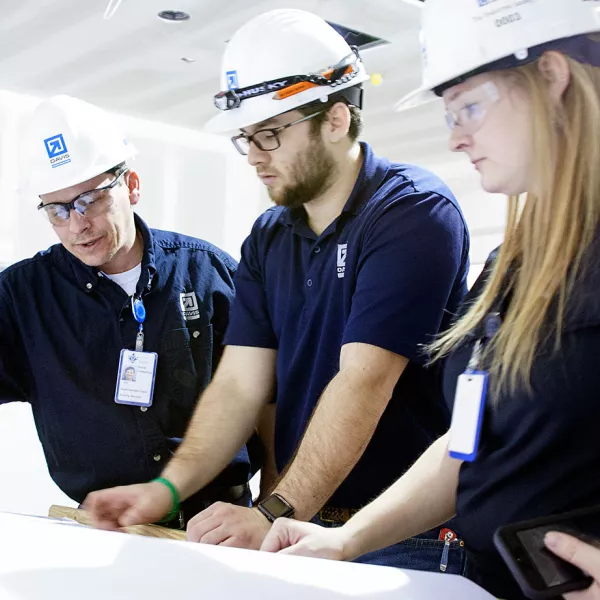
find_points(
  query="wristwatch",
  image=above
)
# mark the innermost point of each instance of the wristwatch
(275, 507)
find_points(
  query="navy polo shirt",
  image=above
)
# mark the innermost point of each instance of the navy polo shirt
(538, 453)
(62, 328)
(389, 272)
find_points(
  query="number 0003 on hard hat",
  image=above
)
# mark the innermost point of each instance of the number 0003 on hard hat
(461, 37)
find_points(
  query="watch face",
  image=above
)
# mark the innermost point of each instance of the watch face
(276, 506)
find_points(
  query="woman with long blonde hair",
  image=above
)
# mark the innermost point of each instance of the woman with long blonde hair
(521, 86)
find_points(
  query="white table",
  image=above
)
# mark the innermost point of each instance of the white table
(42, 559)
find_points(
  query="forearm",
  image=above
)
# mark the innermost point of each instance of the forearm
(223, 421)
(338, 434)
(424, 497)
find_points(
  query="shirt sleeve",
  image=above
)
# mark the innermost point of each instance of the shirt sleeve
(413, 259)
(12, 359)
(249, 322)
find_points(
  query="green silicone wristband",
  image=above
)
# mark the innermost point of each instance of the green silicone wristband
(176, 502)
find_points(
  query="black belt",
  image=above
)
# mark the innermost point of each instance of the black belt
(203, 499)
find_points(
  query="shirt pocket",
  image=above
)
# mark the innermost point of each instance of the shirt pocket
(186, 357)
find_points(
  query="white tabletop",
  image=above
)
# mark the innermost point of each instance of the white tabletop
(43, 559)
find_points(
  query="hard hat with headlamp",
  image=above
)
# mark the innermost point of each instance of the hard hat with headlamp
(280, 61)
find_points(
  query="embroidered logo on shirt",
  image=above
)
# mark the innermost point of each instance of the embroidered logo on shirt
(189, 306)
(341, 260)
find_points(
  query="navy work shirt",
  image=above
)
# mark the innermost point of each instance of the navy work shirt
(538, 453)
(62, 328)
(389, 272)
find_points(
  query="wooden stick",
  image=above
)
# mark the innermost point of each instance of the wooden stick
(81, 516)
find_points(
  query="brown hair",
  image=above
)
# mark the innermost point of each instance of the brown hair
(356, 120)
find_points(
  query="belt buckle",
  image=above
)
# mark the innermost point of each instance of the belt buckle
(331, 514)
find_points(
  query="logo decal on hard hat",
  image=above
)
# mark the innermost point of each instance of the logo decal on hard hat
(232, 80)
(57, 150)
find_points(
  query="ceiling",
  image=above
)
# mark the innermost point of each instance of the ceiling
(131, 64)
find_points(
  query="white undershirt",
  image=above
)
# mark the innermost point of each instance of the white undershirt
(127, 280)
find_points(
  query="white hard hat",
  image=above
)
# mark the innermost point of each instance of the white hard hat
(68, 141)
(460, 38)
(279, 61)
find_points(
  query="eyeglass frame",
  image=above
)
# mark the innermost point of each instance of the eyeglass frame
(453, 116)
(274, 130)
(71, 205)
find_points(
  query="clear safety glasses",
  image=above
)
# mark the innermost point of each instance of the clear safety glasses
(89, 204)
(469, 109)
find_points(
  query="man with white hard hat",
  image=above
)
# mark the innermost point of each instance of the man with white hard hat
(113, 295)
(358, 265)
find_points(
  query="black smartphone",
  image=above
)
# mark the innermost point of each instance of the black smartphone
(539, 572)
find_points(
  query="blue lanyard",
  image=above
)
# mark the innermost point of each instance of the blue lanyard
(139, 314)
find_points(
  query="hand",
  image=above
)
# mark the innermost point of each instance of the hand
(229, 525)
(582, 555)
(129, 505)
(306, 539)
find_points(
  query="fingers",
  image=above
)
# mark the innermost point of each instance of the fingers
(105, 507)
(575, 551)
(278, 537)
(134, 515)
(207, 531)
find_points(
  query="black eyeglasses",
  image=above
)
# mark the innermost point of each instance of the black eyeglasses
(266, 140)
(89, 204)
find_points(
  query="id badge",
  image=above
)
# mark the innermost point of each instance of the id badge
(135, 379)
(467, 416)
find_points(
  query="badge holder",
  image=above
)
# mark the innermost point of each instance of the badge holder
(469, 400)
(137, 369)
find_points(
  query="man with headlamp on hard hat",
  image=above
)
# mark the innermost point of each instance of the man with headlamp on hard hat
(114, 297)
(360, 263)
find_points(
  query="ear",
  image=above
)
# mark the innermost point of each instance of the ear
(337, 124)
(133, 183)
(555, 69)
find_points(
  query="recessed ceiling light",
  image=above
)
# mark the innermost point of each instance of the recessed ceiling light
(187, 59)
(174, 16)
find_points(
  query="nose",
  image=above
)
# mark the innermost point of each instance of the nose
(257, 157)
(459, 140)
(78, 223)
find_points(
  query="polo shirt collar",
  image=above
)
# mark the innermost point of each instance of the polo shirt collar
(87, 277)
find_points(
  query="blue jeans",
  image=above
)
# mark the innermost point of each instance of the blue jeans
(424, 552)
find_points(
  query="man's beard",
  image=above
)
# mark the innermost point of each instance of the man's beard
(311, 176)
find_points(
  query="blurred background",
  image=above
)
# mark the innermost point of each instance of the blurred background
(156, 64)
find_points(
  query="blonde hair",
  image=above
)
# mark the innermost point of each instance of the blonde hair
(547, 235)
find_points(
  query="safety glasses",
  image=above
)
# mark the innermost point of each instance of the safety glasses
(89, 204)
(469, 109)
